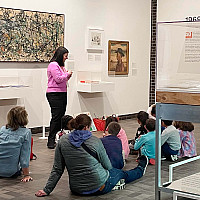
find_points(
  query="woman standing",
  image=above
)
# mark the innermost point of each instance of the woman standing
(57, 91)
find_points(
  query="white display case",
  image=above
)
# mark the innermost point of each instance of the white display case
(178, 61)
(177, 95)
(91, 82)
(12, 87)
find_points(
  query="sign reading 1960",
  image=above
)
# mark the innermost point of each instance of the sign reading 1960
(193, 18)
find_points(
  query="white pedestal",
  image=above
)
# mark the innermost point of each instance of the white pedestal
(95, 87)
(43, 134)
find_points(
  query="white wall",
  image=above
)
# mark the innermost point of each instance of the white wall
(120, 20)
(177, 10)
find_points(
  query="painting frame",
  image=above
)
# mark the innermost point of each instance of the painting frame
(35, 35)
(118, 57)
(95, 39)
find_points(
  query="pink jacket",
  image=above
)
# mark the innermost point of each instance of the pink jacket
(122, 136)
(57, 78)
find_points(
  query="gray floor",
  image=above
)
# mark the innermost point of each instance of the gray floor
(139, 190)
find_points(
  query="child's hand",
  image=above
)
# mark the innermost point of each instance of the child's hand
(26, 179)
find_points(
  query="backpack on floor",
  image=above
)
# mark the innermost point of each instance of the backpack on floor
(99, 123)
(32, 156)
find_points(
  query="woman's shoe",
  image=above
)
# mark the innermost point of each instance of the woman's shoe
(51, 145)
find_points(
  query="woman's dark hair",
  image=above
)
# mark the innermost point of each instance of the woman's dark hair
(151, 124)
(114, 128)
(143, 116)
(109, 120)
(80, 122)
(17, 117)
(58, 55)
(184, 126)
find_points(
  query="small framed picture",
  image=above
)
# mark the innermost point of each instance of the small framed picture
(95, 39)
(118, 57)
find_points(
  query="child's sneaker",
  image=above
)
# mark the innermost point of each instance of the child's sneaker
(152, 161)
(120, 185)
(143, 162)
(174, 157)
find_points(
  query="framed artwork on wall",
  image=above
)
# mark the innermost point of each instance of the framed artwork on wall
(95, 39)
(118, 57)
(29, 36)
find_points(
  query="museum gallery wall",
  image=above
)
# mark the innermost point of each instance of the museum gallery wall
(118, 57)
(101, 17)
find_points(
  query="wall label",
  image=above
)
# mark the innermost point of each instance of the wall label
(193, 18)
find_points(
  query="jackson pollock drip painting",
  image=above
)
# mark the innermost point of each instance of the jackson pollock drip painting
(29, 36)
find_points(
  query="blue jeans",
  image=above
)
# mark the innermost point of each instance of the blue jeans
(116, 174)
(166, 151)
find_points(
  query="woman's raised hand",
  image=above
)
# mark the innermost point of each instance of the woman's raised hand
(70, 72)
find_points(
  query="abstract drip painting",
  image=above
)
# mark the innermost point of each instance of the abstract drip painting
(29, 36)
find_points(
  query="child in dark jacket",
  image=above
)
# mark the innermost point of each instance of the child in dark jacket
(65, 126)
(121, 135)
(142, 117)
(113, 145)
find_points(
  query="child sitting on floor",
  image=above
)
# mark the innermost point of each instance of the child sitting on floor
(142, 117)
(188, 142)
(152, 111)
(170, 141)
(109, 119)
(113, 145)
(121, 135)
(65, 126)
(147, 142)
(15, 145)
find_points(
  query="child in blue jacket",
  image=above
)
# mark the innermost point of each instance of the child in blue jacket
(147, 142)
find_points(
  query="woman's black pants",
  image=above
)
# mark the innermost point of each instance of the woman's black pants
(58, 103)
